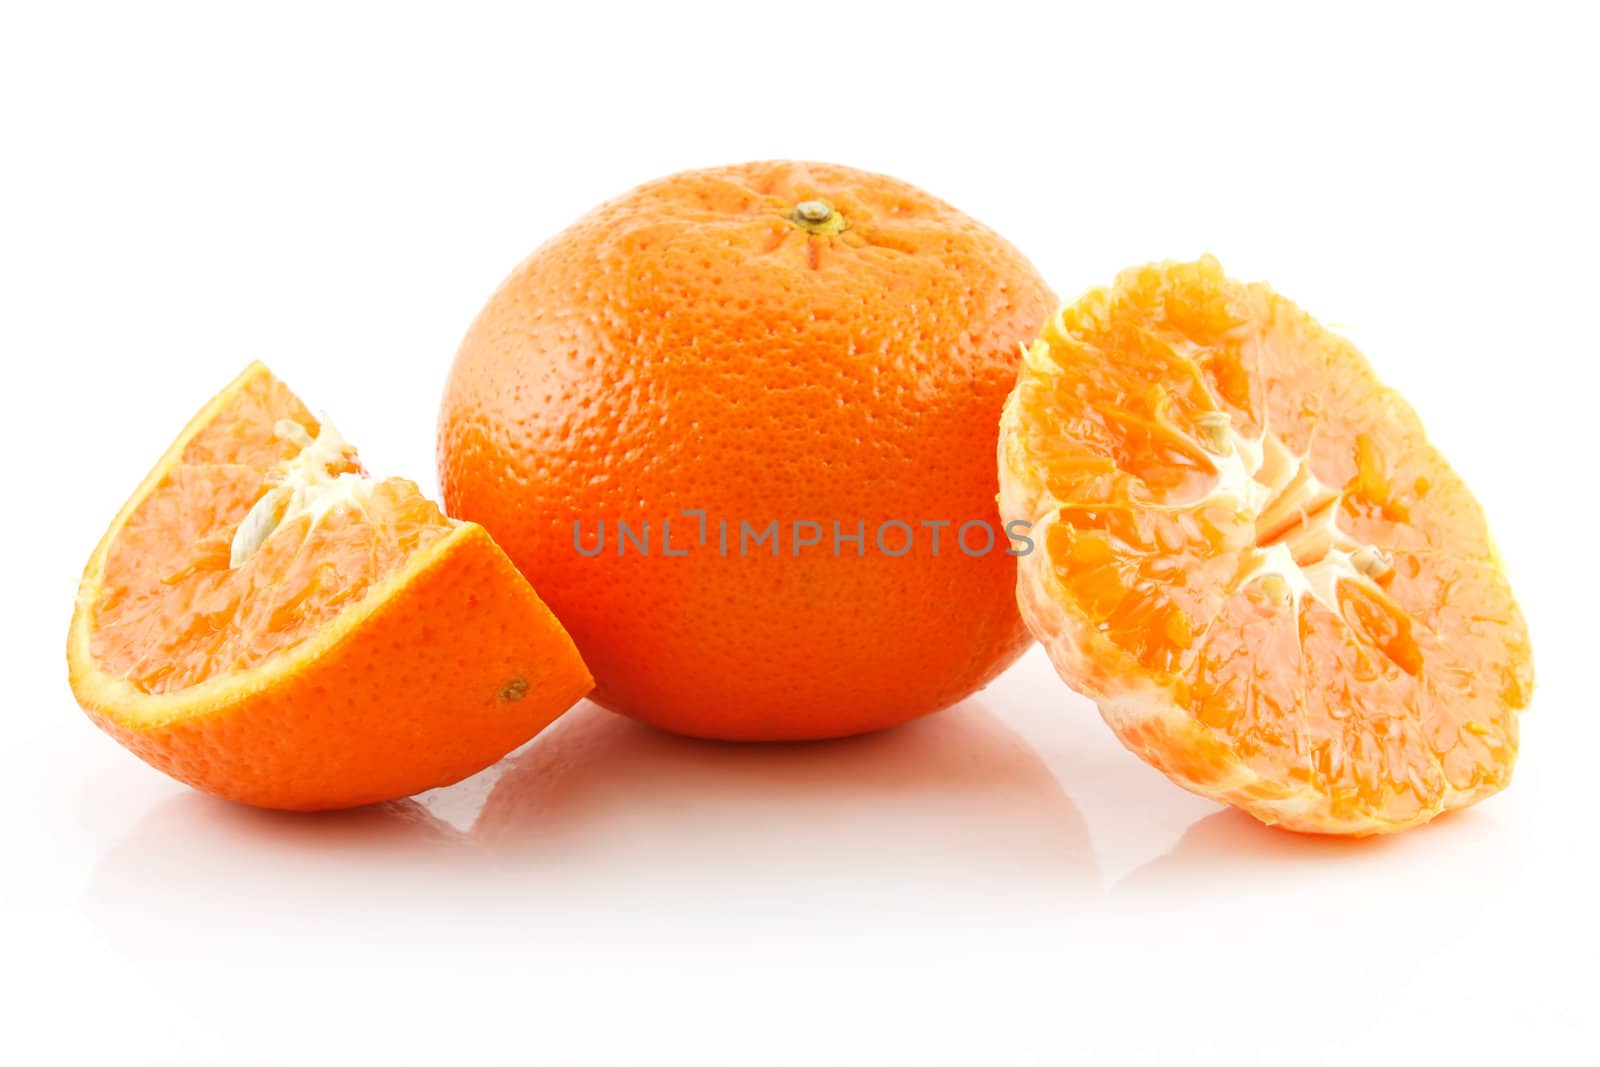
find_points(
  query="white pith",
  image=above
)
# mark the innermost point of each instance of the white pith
(1251, 474)
(1237, 482)
(302, 487)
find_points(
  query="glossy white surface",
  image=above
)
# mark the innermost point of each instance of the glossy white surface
(337, 192)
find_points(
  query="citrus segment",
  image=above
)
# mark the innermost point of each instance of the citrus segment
(1275, 588)
(265, 622)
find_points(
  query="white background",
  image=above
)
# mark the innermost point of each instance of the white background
(336, 191)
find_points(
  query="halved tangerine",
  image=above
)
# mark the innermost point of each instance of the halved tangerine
(265, 622)
(1249, 555)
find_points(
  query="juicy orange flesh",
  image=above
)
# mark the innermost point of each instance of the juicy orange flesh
(1406, 679)
(173, 612)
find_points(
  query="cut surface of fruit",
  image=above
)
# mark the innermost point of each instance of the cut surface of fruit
(1250, 556)
(267, 623)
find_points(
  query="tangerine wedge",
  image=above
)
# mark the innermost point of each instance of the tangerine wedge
(265, 622)
(1250, 556)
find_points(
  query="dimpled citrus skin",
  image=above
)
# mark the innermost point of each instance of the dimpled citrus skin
(692, 345)
(304, 679)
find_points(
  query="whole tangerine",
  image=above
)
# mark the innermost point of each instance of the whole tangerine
(739, 426)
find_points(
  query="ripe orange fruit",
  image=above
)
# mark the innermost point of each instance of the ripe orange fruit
(1277, 591)
(768, 343)
(266, 623)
